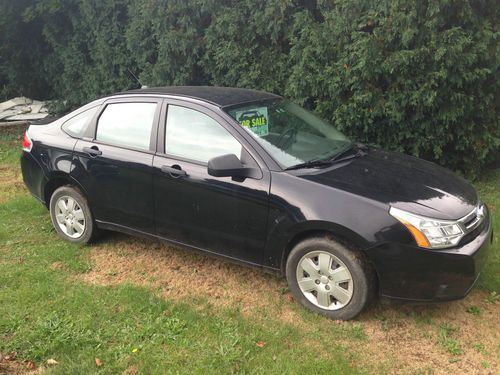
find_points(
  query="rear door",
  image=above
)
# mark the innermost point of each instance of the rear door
(223, 215)
(114, 162)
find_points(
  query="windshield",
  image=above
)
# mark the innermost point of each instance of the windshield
(289, 133)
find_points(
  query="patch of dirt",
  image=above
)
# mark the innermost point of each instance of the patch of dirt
(401, 339)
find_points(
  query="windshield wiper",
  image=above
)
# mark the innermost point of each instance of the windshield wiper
(310, 164)
(360, 151)
(351, 147)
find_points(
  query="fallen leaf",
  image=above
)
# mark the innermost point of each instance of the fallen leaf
(98, 362)
(290, 297)
(12, 356)
(134, 350)
(52, 362)
(30, 365)
(260, 344)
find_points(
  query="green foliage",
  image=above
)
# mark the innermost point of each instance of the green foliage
(89, 56)
(413, 76)
(446, 340)
(474, 310)
(21, 49)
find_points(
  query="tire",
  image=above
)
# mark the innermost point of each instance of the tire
(74, 225)
(340, 282)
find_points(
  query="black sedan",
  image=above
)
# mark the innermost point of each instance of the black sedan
(285, 191)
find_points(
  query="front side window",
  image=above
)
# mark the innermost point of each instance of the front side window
(195, 136)
(289, 133)
(127, 124)
(77, 125)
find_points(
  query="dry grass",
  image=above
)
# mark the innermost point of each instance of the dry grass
(400, 339)
(11, 183)
(10, 365)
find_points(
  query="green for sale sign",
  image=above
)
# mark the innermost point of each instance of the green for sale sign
(255, 119)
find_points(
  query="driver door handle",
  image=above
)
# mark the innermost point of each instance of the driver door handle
(92, 151)
(174, 170)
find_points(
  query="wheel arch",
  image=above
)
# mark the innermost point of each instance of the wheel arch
(54, 181)
(322, 229)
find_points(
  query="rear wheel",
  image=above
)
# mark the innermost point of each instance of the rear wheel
(71, 216)
(329, 278)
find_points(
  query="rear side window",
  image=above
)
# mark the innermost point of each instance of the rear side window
(76, 126)
(127, 124)
(195, 136)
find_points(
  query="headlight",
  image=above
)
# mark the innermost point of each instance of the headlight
(429, 233)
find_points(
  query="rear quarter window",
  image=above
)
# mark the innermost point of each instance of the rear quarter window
(77, 125)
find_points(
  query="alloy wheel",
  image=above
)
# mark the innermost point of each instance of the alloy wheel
(325, 280)
(70, 217)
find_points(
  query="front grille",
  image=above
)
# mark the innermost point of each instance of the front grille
(470, 221)
(473, 223)
(471, 235)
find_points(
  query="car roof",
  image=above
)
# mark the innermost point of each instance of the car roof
(220, 96)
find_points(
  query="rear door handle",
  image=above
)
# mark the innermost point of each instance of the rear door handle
(92, 151)
(174, 170)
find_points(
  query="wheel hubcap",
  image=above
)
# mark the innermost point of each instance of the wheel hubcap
(325, 280)
(70, 217)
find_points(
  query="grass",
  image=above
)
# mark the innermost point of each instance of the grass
(446, 339)
(47, 311)
(489, 191)
(493, 297)
(474, 310)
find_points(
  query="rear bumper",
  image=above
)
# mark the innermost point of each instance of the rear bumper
(414, 274)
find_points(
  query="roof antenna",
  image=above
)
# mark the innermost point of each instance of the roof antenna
(137, 79)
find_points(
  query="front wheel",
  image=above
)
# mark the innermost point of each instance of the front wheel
(71, 216)
(329, 278)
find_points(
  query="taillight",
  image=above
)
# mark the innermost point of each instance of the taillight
(27, 144)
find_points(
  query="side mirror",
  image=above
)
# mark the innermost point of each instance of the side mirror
(230, 166)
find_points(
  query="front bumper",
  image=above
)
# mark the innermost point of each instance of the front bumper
(414, 274)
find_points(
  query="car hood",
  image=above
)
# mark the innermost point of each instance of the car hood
(402, 181)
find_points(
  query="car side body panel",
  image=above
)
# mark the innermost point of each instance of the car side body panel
(299, 205)
(33, 175)
(113, 182)
(50, 158)
(219, 214)
(114, 178)
(226, 216)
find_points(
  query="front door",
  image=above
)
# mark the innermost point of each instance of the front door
(222, 215)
